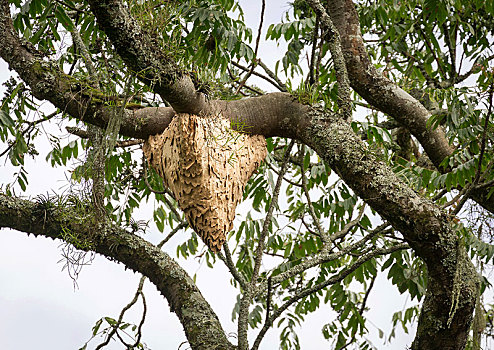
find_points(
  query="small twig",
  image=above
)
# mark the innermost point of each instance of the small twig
(484, 137)
(254, 63)
(474, 68)
(270, 166)
(269, 80)
(325, 238)
(309, 229)
(227, 259)
(268, 300)
(439, 195)
(270, 73)
(143, 319)
(485, 185)
(431, 81)
(129, 143)
(235, 79)
(84, 134)
(433, 52)
(76, 38)
(462, 201)
(349, 225)
(269, 214)
(362, 309)
(29, 129)
(180, 226)
(73, 8)
(315, 37)
(164, 192)
(122, 313)
(451, 49)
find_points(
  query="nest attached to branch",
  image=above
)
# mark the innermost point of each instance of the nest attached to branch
(206, 165)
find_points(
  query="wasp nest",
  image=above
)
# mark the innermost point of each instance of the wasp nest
(206, 165)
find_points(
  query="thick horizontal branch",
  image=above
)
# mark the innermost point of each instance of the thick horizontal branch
(44, 218)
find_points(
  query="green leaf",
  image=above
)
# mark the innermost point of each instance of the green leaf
(63, 18)
(97, 326)
(111, 321)
(5, 119)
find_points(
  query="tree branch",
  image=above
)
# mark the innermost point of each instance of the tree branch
(227, 259)
(387, 96)
(335, 279)
(333, 38)
(201, 325)
(248, 293)
(384, 95)
(154, 67)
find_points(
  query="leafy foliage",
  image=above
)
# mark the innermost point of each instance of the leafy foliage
(422, 45)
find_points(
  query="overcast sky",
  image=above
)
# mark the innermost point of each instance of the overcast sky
(41, 309)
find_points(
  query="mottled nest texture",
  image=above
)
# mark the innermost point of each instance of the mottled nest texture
(206, 165)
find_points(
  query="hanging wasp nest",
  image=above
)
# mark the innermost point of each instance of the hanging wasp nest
(206, 165)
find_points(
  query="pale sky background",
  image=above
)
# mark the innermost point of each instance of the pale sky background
(40, 309)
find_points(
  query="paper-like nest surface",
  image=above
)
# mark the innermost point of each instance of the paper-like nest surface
(206, 165)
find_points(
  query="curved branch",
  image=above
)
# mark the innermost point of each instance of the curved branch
(377, 89)
(70, 95)
(424, 226)
(201, 325)
(143, 55)
(386, 96)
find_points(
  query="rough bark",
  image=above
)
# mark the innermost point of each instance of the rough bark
(388, 97)
(201, 325)
(453, 283)
(452, 278)
(144, 56)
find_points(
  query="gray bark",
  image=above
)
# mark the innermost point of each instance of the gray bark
(450, 300)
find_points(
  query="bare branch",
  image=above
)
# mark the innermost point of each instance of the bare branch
(254, 63)
(180, 226)
(324, 236)
(116, 326)
(349, 225)
(268, 79)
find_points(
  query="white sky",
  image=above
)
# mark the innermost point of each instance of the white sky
(41, 309)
